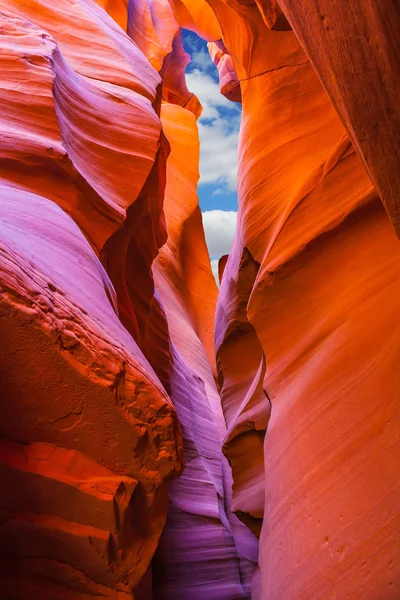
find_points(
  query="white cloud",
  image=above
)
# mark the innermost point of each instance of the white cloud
(214, 268)
(219, 228)
(207, 90)
(218, 130)
(218, 154)
(202, 60)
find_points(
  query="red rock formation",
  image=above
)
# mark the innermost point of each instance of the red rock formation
(302, 288)
(65, 140)
(118, 9)
(229, 84)
(197, 16)
(73, 379)
(357, 59)
(108, 372)
(273, 15)
(105, 150)
(174, 88)
(152, 26)
(198, 544)
(201, 535)
(183, 263)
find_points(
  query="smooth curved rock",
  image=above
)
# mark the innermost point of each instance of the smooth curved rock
(57, 122)
(202, 541)
(229, 84)
(174, 88)
(117, 9)
(310, 224)
(183, 262)
(197, 16)
(356, 57)
(272, 15)
(104, 54)
(152, 26)
(73, 378)
(109, 378)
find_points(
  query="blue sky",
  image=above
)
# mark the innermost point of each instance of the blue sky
(218, 131)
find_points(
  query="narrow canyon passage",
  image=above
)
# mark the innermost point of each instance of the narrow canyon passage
(163, 439)
(218, 127)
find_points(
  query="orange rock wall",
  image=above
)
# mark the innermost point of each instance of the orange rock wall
(89, 434)
(365, 97)
(108, 382)
(111, 380)
(311, 285)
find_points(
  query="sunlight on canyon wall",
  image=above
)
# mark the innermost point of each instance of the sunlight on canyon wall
(161, 439)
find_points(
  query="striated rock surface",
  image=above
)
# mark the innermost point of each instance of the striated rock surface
(229, 84)
(365, 96)
(140, 457)
(74, 380)
(174, 88)
(197, 16)
(152, 26)
(77, 394)
(201, 537)
(310, 286)
(56, 138)
(202, 541)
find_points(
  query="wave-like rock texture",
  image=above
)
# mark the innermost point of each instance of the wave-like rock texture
(311, 287)
(365, 97)
(202, 541)
(111, 381)
(168, 306)
(104, 351)
(229, 84)
(74, 382)
(56, 137)
(89, 434)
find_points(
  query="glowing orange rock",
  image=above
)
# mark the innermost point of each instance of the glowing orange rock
(175, 332)
(53, 101)
(152, 26)
(200, 536)
(117, 9)
(174, 88)
(198, 16)
(311, 284)
(272, 15)
(74, 378)
(108, 304)
(229, 84)
(105, 54)
(186, 245)
(365, 97)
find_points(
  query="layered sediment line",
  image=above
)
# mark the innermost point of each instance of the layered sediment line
(160, 440)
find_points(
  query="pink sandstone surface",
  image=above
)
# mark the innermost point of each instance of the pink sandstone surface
(142, 455)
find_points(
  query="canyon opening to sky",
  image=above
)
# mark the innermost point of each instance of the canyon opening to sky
(219, 125)
(160, 438)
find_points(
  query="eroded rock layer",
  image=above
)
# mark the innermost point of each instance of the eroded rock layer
(74, 382)
(100, 377)
(311, 286)
(140, 457)
(90, 435)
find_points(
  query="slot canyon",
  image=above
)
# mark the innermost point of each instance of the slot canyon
(164, 437)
